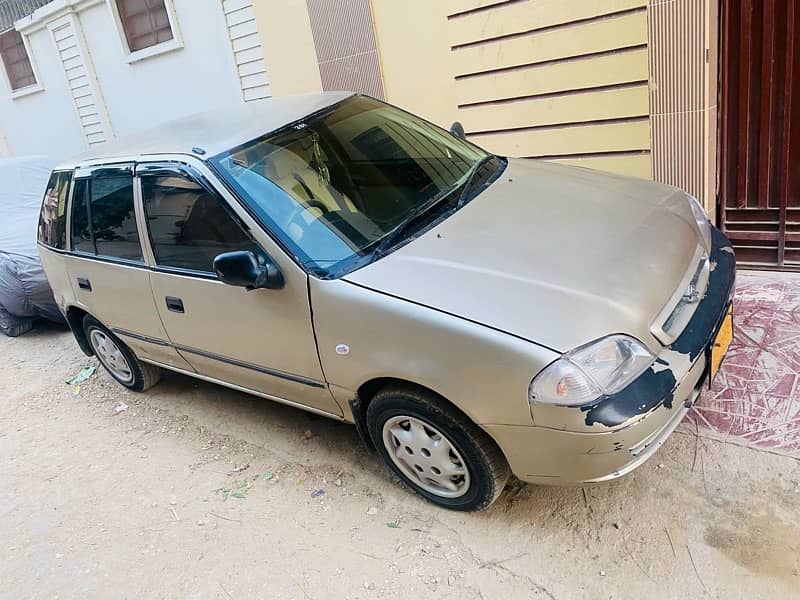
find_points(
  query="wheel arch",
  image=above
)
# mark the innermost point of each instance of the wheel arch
(75, 316)
(367, 391)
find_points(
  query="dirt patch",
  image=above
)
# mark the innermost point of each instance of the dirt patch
(759, 539)
(192, 490)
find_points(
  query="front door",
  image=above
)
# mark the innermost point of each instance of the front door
(260, 340)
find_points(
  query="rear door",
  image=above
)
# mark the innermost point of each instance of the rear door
(106, 266)
(260, 340)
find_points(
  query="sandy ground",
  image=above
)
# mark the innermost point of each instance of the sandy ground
(96, 503)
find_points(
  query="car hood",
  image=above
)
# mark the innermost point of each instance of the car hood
(557, 255)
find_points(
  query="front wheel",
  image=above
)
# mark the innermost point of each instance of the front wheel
(118, 359)
(435, 450)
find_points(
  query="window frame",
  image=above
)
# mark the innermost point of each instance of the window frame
(67, 211)
(132, 56)
(28, 89)
(71, 220)
(201, 171)
(89, 173)
(160, 168)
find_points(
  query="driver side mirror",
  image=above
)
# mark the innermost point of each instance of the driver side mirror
(457, 130)
(242, 269)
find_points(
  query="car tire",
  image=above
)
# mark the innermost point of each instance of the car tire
(436, 450)
(120, 362)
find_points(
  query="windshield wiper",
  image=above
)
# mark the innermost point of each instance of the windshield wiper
(390, 238)
(468, 183)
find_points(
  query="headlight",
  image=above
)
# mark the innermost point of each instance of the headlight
(585, 374)
(701, 218)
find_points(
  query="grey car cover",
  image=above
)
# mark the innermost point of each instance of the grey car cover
(24, 291)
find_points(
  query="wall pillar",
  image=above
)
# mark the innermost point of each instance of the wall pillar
(683, 95)
(76, 64)
(248, 55)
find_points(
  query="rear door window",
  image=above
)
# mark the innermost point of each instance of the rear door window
(103, 217)
(113, 219)
(53, 218)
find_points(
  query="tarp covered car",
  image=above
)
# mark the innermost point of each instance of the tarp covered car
(25, 294)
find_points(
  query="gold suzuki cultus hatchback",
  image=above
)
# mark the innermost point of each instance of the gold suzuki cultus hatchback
(473, 315)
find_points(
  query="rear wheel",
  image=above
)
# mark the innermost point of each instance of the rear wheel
(120, 362)
(435, 450)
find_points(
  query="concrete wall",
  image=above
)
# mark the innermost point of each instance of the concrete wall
(93, 90)
(579, 82)
(288, 44)
(416, 58)
(4, 149)
(43, 122)
(200, 76)
(606, 84)
(683, 95)
(567, 81)
(562, 80)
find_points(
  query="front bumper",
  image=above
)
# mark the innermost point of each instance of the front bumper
(620, 432)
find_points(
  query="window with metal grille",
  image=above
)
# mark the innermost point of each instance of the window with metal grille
(145, 22)
(16, 61)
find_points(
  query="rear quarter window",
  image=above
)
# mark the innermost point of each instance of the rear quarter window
(53, 218)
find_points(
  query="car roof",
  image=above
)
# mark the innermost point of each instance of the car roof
(211, 132)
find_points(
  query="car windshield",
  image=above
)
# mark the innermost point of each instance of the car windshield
(338, 185)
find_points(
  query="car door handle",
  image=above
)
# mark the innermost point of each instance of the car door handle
(84, 284)
(174, 304)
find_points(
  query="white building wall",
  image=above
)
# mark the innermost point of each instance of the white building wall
(4, 149)
(42, 122)
(80, 80)
(203, 69)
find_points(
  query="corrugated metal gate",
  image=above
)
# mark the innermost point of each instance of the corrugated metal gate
(760, 131)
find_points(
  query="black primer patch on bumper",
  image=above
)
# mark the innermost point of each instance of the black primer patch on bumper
(653, 389)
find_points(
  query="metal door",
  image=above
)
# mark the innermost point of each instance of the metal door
(760, 131)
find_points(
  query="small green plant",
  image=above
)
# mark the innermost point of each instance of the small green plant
(240, 487)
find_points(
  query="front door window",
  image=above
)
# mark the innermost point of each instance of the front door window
(188, 225)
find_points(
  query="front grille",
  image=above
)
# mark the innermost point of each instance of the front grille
(678, 312)
(692, 295)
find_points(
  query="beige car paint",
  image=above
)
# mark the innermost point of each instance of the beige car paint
(488, 269)
(121, 298)
(555, 457)
(291, 355)
(484, 372)
(464, 310)
(265, 328)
